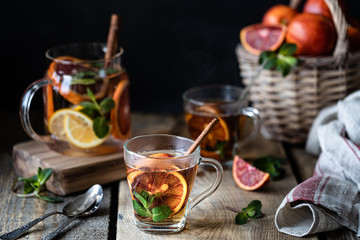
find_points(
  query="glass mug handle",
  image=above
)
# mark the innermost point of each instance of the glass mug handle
(25, 107)
(219, 175)
(255, 115)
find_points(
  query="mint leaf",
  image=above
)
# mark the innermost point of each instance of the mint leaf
(49, 199)
(143, 197)
(106, 105)
(241, 218)
(160, 213)
(271, 165)
(35, 184)
(288, 49)
(90, 112)
(253, 209)
(88, 104)
(82, 81)
(280, 60)
(100, 127)
(44, 175)
(139, 209)
(220, 148)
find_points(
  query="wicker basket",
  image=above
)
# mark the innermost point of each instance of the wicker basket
(288, 106)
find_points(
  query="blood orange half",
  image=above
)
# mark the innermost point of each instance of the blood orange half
(171, 187)
(248, 177)
(120, 115)
(257, 38)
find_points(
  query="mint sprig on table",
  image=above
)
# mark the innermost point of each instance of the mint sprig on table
(143, 207)
(98, 112)
(281, 60)
(271, 165)
(35, 185)
(253, 210)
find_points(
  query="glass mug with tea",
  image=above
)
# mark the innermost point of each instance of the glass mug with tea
(161, 177)
(86, 101)
(203, 103)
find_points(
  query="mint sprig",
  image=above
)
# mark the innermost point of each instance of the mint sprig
(35, 185)
(143, 208)
(98, 112)
(253, 210)
(281, 60)
(271, 165)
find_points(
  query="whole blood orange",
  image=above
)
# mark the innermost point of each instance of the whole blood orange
(257, 38)
(120, 115)
(279, 14)
(171, 187)
(313, 34)
(247, 176)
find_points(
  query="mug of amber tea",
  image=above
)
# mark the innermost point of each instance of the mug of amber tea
(86, 101)
(203, 103)
(160, 177)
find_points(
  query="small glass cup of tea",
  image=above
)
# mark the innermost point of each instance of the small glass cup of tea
(161, 177)
(86, 101)
(203, 103)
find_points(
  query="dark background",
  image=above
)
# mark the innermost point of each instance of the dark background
(169, 46)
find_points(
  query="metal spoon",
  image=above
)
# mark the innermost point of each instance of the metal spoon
(73, 208)
(91, 210)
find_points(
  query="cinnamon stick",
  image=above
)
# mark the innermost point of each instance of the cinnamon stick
(113, 36)
(204, 133)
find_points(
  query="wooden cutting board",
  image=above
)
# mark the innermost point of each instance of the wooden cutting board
(70, 174)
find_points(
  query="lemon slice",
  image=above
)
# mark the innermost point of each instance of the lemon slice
(56, 124)
(79, 131)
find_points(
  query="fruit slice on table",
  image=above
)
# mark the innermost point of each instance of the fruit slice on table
(120, 115)
(76, 92)
(197, 123)
(247, 176)
(79, 131)
(171, 187)
(257, 38)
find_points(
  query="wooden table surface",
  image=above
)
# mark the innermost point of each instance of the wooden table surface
(209, 220)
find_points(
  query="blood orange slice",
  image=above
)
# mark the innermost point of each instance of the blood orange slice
(161, 155)
(248, 177)
(257, 38)
(120, 115)
(170, 186)
(66, 72)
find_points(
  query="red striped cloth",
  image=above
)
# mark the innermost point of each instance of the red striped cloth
(330, 199)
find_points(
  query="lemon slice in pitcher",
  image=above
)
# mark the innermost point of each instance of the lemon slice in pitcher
(79, 130)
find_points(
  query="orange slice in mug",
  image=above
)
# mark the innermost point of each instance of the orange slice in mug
(171, 187)
(120, 115)
(197, 123)
(74, 92)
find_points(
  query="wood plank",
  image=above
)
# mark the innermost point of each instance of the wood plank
(210, 219)
(15, 211)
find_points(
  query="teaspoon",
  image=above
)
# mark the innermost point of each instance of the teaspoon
(75, 207)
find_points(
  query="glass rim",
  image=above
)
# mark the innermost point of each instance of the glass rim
(119, 52)
(197, 150)
(185, 96)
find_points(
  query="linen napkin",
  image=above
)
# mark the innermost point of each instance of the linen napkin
(329, 199)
